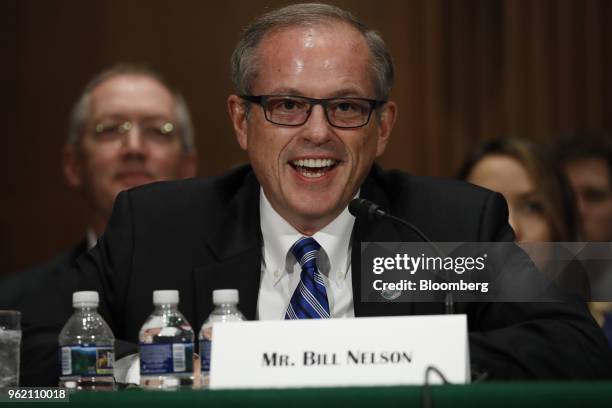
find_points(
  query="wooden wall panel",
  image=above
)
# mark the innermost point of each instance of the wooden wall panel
(467, 70)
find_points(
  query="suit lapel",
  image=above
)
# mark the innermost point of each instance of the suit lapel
(375, 231)
(235, 243)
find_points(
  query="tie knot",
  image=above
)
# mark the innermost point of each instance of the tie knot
(305, 250)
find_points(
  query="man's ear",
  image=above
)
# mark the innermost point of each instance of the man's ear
(72, 167)
(388, 115)
(238, 114)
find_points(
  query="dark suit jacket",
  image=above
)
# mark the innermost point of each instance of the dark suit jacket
(200, 235)
(17, 288)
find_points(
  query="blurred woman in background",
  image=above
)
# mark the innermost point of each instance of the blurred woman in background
(541, 206)
(540, 200)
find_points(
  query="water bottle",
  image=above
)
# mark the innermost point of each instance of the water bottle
(86, 347)
(226, 310)
(166, 345)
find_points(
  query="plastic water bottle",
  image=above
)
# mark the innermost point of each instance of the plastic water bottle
(226, 310)
(166, 345)
(86, 347)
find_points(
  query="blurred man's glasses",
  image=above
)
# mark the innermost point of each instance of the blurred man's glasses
(156, 131)
(289, 110)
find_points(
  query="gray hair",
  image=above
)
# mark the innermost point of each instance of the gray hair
(244, 58)
(80, 111)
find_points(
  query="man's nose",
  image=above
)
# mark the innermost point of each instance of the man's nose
(134, 141)
(317, 129)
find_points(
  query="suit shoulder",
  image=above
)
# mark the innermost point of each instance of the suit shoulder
(36, 284)
(58, 263)
(446, 209)
(433, 190)
(210, 192)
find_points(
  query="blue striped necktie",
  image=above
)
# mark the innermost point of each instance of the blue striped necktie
(309, 301)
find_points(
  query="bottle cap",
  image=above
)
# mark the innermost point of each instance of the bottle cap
(85, 298)
(165, 296)
(225, 296)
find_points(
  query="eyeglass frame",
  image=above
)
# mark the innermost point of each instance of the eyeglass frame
(261, 101)
(167, 128)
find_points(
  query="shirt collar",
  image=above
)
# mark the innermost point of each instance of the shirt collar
(92, 238)
(278, 237)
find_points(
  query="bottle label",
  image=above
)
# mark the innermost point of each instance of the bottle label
(205, 345)
(87, 361)
(166, 358)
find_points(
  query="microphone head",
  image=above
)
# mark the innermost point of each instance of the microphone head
(365, 209)
(362, 208)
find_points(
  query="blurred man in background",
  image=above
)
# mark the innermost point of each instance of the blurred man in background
(129, 127)
(587, 161)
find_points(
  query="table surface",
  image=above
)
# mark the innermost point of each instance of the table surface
(493, 394)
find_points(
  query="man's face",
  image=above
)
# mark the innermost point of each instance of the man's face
(105, 163)
(590, 178)
(321, 61)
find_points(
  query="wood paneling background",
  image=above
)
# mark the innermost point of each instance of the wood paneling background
(467, 70)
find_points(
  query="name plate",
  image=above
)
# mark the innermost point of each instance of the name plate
(366, 351)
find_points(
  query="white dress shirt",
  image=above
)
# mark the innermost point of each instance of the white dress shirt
(280, 272)
(91, 237)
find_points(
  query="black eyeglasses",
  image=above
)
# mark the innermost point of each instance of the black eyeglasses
(290, 110)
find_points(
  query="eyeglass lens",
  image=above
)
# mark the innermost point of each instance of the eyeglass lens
(154, 131)
(293, 111)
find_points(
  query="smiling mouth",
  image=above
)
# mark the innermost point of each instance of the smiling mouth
(313, 168)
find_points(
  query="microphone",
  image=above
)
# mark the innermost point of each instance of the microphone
(366, 209)
(362, 208)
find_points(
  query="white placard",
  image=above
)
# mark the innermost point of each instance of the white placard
(339, 352)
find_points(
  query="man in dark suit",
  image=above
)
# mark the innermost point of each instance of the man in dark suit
(312, 112)
(129, 127)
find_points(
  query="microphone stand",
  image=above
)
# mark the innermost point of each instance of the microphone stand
(362, 208)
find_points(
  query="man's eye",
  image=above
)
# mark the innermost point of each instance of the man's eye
(345, 107)
(288, 105)
(107, 129)
(157, 133)
(350, 107)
